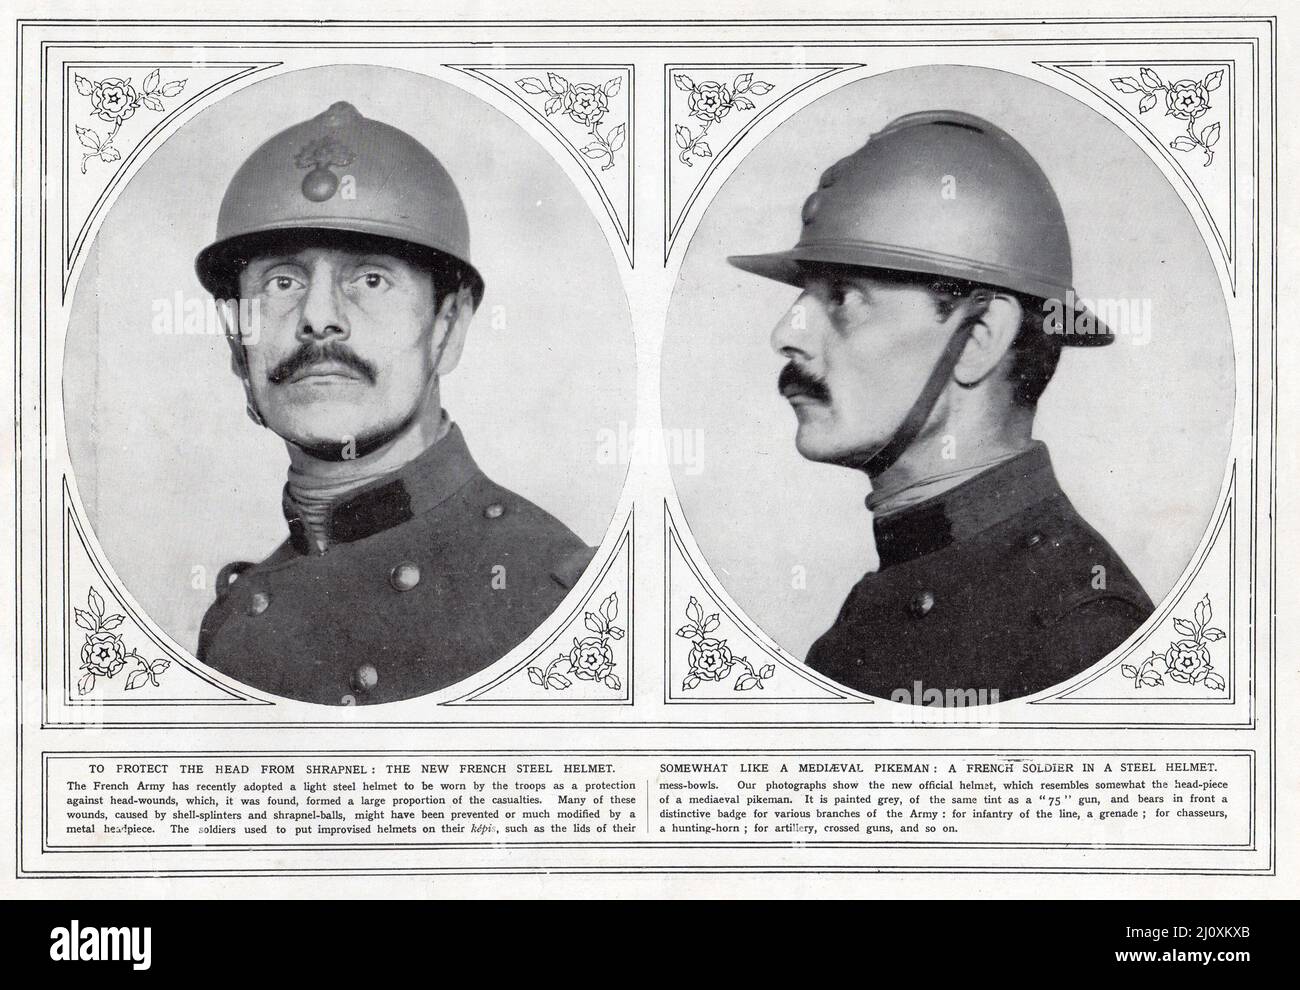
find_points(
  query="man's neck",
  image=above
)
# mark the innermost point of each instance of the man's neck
(945, 458)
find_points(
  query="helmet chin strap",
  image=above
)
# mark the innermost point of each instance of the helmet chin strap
(240, 356)
(972, 310)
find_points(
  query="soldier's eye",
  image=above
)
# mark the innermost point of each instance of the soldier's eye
(280, 284)
(373, 280)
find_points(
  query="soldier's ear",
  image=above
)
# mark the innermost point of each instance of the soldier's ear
(990, 339)
(450, 327)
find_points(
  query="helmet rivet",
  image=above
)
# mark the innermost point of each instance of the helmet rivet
(320, 184)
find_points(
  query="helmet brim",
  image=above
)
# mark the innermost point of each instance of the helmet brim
(792, 267)
(218, 265)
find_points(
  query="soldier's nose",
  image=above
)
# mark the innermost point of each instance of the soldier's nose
(322, 315)
(792, 337)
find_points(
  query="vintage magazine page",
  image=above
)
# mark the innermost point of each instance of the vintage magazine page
(804, 450)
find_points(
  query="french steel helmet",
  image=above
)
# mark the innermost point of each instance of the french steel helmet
(355, 178)
(940, 193)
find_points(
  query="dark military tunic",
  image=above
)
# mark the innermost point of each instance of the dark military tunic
(997, 584)
(430, 574)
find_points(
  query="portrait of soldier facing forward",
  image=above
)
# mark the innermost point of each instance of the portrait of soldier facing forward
(936, 297)
(342, 264)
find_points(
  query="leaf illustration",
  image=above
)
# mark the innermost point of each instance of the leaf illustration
(1210, 137)
(742, 82)
(85, 620)
(173, 88)
(558, 681)
(86, 684)
(531, 85)
(615, 632)
(711, 623)
(1183, 143)
(1185, 627)
(616, 137)
(1151, 79)
(160, 665)
(744, 103)
(594, 151)
(613, 683)
(612, 87)
(682, 136)
(82, 84)
(1202, 611)
(594, 624)
(1152, 679)
(137, 678)
(768, 671)
(1214, 682)
(683, 82)
(96, 603)
(609, 607)
(689, 632)
(1126, 84)
(690, 683)
(151, 81)
(1147, 103)
(1214, 80)
(551, 105)
(746, 683)
(1213, 634)
(109, 154)
(151, 101)
(558, 84)
(761, 88)
(87, 137)
(1128, 670)
(535, 675)
(112, 622)
(702, 150)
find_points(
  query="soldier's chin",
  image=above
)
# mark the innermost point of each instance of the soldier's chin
(816, 443)
(336, 441)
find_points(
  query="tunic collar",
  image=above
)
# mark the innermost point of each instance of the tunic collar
(962, 512)
(415, 488)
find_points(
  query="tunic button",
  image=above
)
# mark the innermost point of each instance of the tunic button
(347, 699)
(404, 576)
(365, 677)
(259, 603)
(921, 603)
(495, 511)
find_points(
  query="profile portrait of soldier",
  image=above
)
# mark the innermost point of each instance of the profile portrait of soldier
(342, 267)
(927, 327)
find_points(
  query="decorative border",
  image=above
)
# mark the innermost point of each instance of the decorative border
(1264, 336)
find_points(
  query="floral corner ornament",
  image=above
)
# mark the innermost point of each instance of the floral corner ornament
(710, 102)
(1186, 99)
(1187, 661)
(585, 104)
(590, 659)
(114, 101)
(103, 654)
(711, 659)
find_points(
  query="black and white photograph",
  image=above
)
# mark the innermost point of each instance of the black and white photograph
(777, 450)
(1037, 469)
(292, 384)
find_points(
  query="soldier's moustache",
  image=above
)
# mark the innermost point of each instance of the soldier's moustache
(309, 354)
(794, 380)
